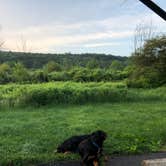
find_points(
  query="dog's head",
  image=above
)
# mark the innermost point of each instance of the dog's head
(99, 134)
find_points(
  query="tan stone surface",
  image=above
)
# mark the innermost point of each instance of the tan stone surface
(155, 162)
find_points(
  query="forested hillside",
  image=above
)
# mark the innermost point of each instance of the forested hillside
(37, 60)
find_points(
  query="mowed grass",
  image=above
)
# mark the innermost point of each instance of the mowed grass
(30, 135)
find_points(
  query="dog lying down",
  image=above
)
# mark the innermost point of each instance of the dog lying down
(89, 147)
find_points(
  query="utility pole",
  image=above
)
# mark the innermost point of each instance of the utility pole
(154, 7)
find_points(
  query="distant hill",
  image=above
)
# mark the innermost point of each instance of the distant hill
(37, 60)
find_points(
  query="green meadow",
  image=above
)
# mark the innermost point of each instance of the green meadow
(29, 135)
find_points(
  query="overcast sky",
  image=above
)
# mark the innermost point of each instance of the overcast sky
(76, 26)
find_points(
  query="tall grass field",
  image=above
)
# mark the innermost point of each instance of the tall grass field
(74, 93)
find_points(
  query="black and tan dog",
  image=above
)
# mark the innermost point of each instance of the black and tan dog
(71, 144)
(91, 148)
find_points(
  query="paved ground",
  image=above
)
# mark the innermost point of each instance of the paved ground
(134, 160)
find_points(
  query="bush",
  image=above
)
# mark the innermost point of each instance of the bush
(39, 76)
(150, 64)
(61, 92)
(144, 78)
(74, 93)
(141, 82)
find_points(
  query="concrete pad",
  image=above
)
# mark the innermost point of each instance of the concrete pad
(154, 162)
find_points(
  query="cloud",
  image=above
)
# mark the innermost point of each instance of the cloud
(100, 45)
(60, 35)
(89, 34)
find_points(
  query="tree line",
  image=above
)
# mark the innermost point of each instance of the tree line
(66, 60)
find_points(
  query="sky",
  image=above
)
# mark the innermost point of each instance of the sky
(75, 26)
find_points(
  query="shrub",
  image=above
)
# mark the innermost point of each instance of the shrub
(74, 93)
(144, 78)
(61, 92)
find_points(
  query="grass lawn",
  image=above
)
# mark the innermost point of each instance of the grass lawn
(30, 135)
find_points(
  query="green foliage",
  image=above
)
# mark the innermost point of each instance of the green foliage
(52, 66)
(116, 65)
(73, 93)
(88, 75)
(19, 73)
(39, 76)
(5, 72)
(59, 76)
(51, 72)
(150, 64)
(129, 70)
(61, 92)
(92, 64)
(66, 61)
(145, 77)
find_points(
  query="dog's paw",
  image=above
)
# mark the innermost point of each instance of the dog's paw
(67, 152)
(95, 163)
